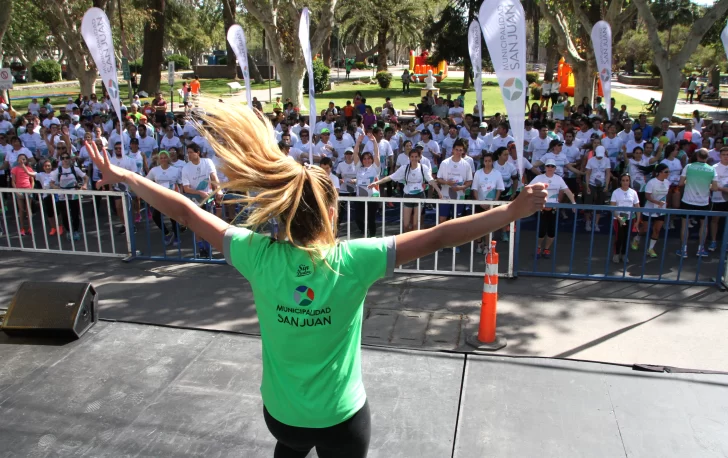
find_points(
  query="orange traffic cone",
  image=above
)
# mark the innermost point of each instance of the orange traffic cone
(486, 338)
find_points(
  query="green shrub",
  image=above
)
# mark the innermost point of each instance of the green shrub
(532, 77)
(384, 79)
(46, 71)
(180, 62)
(135, 66)
(653, 69)
(320, 77)
(360, 65)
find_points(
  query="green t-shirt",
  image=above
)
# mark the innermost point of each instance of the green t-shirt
(310, 322)
(698, 178)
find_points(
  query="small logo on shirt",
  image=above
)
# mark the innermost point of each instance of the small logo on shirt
(303, 270)
(303, 296)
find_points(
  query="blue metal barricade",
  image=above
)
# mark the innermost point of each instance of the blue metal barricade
(580, 254)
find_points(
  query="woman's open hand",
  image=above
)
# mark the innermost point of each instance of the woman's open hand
(110, 173)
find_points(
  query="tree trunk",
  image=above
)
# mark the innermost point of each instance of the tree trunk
(583, 82)
(670, 92)
(394, 47)
(228, 14)
(153, 52)
(466, 74)
(87, 81)
(536, 32)
(291, 75)
(254, 71)
(361, 55)
(552, 56)
(326, 52)
(382, 49)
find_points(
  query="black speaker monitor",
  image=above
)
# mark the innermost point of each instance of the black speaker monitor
(51, 309)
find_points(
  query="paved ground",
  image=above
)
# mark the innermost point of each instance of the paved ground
(134, 390)
(645, 94)
(603, 321)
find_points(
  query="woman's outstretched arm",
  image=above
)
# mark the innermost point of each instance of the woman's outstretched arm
(416, 244)
(170, 203)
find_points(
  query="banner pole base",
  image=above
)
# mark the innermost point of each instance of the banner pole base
(497, 344)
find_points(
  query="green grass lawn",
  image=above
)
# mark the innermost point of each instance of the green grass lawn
(342, 92)
(59, 95)
(376, 96)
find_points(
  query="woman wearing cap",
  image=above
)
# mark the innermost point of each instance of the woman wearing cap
(556, 188)
(624, 196)
(487, 185)
(415, 177)
(171, 178)
(44, 179)
(656, 192)
(367, 171)
(68, 176)
(598, 177)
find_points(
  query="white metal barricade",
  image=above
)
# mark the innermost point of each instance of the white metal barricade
(462, 261)
(65, 221)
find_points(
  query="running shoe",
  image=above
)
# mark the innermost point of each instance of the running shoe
(505, 237)
(615, 259)
(682, 253)
(52, 232)
(596, 228)
(703, 253)
(122, 230)
(651, 253)
(168, 239)
(713, 246)
(538, 253)
(546, 254)
(588, 226)
(61, 230)
(29, 232)
(76, 236)
(138, 218)
(22, 232)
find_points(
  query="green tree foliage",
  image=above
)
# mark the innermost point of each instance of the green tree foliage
(26, 38)
(380, 21)
(320, 77)
(180, 62)
(46, 71)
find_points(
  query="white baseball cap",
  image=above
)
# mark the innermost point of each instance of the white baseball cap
(665, 120)
(550, 162)
(599, 151)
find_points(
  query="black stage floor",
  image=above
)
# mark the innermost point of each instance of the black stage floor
(129, 390)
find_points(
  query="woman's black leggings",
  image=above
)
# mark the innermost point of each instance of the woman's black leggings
(157, 217)
(348, 439)
(74, 206)
(548, 224)
(622, 231)
(371, 216)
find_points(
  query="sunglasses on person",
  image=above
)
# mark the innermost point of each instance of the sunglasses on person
(549, 166)
(65, 158)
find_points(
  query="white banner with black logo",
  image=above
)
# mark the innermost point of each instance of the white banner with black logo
(303, 36)
(504, 28)
(601, 36)
(236, 38)
(477, 60)
(96, 32)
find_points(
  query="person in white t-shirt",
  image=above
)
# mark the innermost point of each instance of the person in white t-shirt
(199, 178)
(720, 196)
(448, 142)
(598, 177)
(323, 148)
(430, 148)
(346, 171)
(415, 177)
(454, 176)
(169, 177)
(487, 185)
(456, 113)
(613, 146)
(367, 172)
(341, 142)
(170, 140)
(656, 193)
(502, 139)
(624, 196)
(539, 145)
(557, 189)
